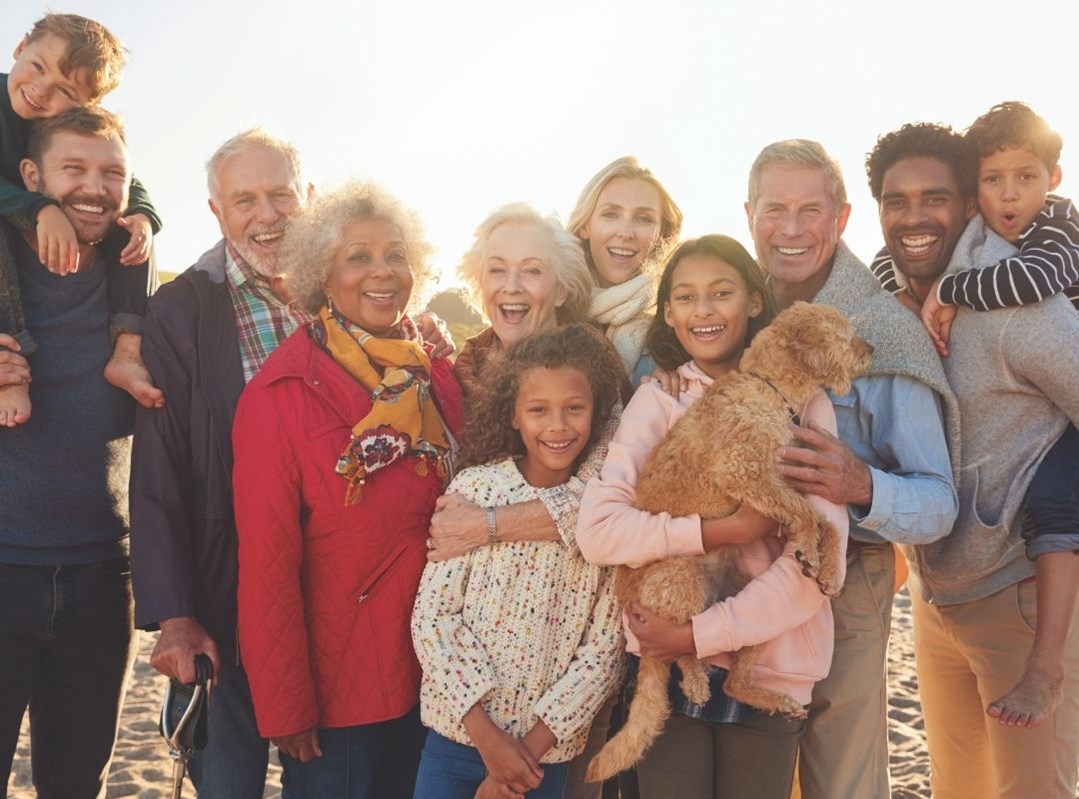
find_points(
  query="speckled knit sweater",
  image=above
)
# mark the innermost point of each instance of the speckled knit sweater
(527, 628)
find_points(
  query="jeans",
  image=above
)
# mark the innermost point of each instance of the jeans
(368, 761)
(233, 764)
(66, 645)
(449, 770)
(1051, 520)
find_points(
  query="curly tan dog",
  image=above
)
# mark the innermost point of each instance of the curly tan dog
(720, 455)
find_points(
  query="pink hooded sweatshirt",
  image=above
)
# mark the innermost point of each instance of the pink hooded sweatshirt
(780, 608)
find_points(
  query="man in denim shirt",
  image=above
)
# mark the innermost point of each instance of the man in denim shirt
(890, 466)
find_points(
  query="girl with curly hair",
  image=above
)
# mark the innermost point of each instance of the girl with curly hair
(520, 640)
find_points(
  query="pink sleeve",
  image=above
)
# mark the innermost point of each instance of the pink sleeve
(781, 598)
(611, 531)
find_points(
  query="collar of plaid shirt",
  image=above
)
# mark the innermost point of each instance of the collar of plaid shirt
(263, 320)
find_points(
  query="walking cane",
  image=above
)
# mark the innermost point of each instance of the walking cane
(183, 719)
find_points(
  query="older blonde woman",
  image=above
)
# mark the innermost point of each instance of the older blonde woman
(526, 274)
(343, 441)
(625, 221)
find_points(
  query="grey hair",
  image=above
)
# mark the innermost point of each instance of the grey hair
(253, 137)
(570, 265)
(798, 152)
(307, 249)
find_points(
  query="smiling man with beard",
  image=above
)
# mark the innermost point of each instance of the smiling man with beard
(975, 602)
(65, 632)
(206, 335)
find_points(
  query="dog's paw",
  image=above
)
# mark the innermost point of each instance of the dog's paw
(695, 686)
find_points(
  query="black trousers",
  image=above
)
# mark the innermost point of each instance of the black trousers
(65, 650)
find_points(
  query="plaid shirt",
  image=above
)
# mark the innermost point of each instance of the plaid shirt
(263, 320)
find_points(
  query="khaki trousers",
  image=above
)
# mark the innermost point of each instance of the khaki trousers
(844, 750)
(967, 656)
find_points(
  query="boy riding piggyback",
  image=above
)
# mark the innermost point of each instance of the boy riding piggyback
(67, 61)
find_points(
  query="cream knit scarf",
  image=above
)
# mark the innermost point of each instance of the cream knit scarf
(622, 311)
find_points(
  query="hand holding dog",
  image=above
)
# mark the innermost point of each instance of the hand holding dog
(659, 638)
(825, 466)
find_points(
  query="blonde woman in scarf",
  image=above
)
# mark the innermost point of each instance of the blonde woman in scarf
(625, 220)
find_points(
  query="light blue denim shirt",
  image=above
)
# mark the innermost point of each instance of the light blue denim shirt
(894, 424)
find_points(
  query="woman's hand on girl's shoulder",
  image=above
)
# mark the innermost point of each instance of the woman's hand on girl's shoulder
(457, 527)
(669, 382)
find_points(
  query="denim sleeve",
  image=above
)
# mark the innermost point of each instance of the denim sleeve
(914, 496)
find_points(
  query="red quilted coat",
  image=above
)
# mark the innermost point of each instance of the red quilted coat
(326, 591)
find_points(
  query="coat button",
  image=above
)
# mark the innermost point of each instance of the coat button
(315, 381)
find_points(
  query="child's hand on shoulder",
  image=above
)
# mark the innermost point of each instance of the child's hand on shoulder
(937, 318)
(671, 383)
(137, 250)
(57, 245)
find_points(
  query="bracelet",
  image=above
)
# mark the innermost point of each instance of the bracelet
(492, 531)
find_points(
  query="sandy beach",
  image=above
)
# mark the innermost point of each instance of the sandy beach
(142, 767)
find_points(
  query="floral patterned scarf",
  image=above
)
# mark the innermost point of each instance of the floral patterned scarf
(403, 420)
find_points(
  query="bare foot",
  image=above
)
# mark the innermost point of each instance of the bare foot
(1031, 701)
(126, 370)
(14, 405)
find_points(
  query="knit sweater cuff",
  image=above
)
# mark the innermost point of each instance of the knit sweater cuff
(563, 503)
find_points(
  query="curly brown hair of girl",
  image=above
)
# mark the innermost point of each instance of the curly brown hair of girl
(489, 435)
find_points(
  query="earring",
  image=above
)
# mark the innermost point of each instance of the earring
(329, 303)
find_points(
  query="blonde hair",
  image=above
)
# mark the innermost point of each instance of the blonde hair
(253, 137)
(91, 48)
(798, 152)
(570, 266)
(313, 235)
(670, 226)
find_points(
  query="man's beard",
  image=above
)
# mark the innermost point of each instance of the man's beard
(85, 232)
(267, 266)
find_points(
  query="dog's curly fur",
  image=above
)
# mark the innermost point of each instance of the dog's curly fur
(719, 455)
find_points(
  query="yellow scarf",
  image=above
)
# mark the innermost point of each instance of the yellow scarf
(403, 420)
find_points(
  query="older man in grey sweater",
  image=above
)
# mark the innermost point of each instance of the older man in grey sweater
(1013, 372)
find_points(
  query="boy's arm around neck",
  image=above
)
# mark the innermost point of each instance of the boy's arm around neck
(1046, 264)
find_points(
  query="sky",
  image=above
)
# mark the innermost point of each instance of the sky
(458, 108)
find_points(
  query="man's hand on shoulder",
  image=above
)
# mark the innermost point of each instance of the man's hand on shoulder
(435, 332)
(180, 640)
(821, 464)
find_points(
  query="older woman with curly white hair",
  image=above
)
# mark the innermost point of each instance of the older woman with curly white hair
(342, 441)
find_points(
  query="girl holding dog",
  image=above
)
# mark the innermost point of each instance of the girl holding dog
(711, 301)
(519, 641)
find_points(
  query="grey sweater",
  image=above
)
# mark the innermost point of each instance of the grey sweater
(63, 474)
(1013, 372)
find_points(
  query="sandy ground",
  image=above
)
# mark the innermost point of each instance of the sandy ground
(142, 767)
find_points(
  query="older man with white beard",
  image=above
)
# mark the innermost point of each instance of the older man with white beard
(206, 334)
